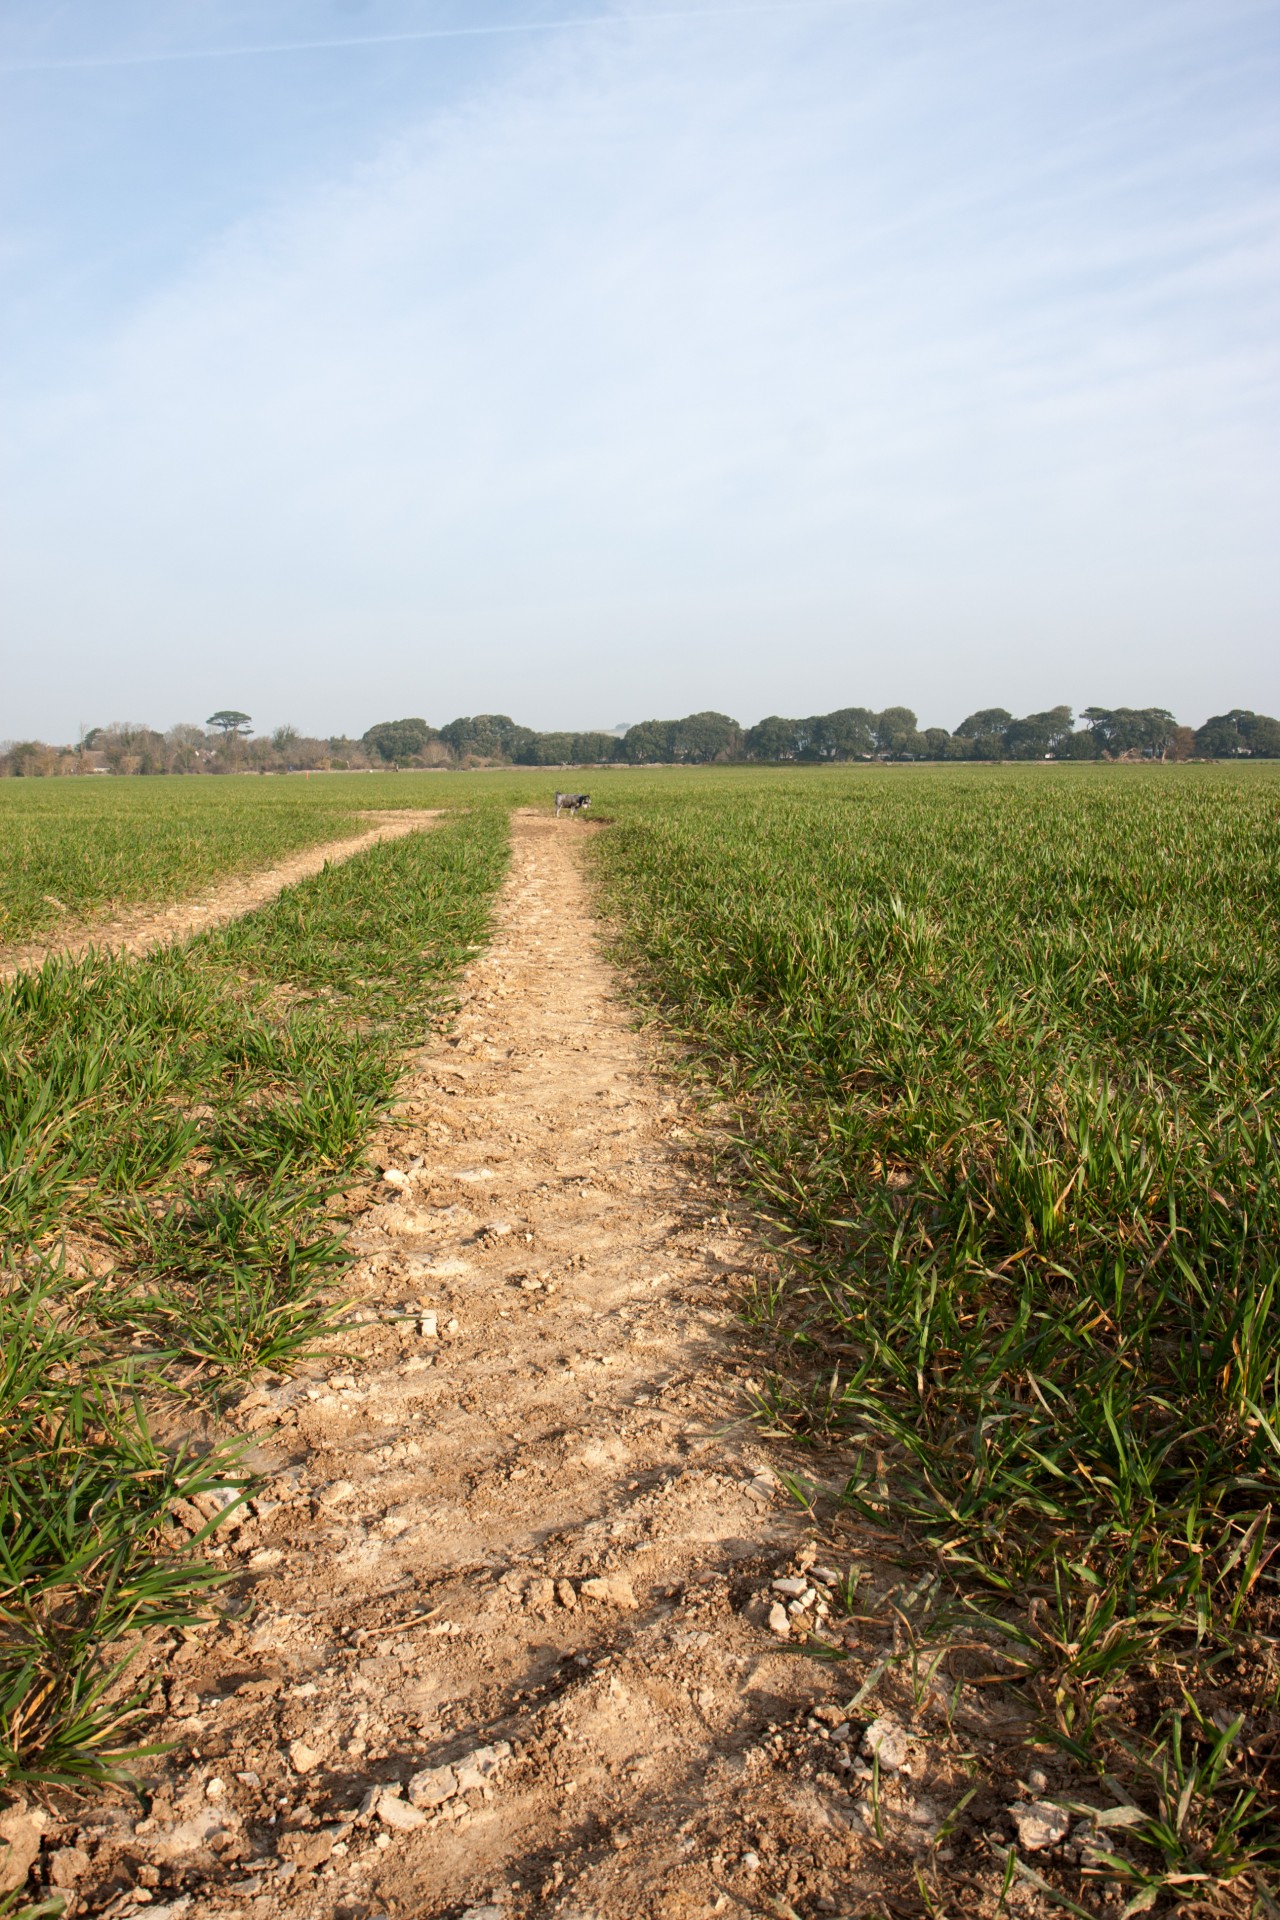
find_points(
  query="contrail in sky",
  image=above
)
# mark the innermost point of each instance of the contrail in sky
(398, 39)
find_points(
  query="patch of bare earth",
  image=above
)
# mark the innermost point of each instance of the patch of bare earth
(146, 927)
(500, 1637)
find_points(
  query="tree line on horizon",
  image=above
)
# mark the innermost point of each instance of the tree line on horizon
(226, 743)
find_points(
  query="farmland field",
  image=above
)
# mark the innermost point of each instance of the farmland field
(1002, 1051)
(74, 848)
(174, 1135)
(993, 1050)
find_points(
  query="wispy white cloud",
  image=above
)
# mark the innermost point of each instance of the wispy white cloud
(907, 351)
(178, 55)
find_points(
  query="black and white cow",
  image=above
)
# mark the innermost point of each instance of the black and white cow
(571, 802)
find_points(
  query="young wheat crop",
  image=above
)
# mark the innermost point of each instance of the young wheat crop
(77, 847)
(173, 1132)
(1005, 1049)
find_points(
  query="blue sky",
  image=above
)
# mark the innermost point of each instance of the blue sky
(771, 359)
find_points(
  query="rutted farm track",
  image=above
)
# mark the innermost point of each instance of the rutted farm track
(143, 928)
(499, 1629)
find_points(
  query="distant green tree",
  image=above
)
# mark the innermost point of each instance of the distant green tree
(566, 749)
(1145, 730)
(774, 738)
(988, 746)
(649, 740)
(485, 736)
(592, 748)
(985, 722)
(398, 739)
(696, 740)
(850, 733)
(1228, 735)
(228, 722)
(1220, 736)
(896, 732)
(700, 738)
(937, 742)
(1080, 745)
(1038, 734)
(544, 750)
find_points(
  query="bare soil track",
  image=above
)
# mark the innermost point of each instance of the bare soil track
(498, 1640)
(147, 927)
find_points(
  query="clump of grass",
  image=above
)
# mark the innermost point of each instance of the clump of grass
(232, 1276)
(198, 1111)
(1004, 1049)
(85, 1499)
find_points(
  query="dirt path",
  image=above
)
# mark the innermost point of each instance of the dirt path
(501, 1640)
(147, 927)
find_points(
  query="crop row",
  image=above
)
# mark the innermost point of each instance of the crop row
(1004, 1054)
(176, 1136)
(79, 861)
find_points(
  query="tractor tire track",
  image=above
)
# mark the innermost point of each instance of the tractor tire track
(139, 931)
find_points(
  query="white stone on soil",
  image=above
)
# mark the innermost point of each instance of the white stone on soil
(615, 1589)
(433, 1786)
(1039, 1824)
(885, 1739)
(478, 1767)
(399, 1815)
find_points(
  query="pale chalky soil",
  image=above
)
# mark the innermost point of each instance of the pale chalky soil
(502, 1634)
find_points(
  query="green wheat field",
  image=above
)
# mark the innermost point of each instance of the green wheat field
(996, 1051)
